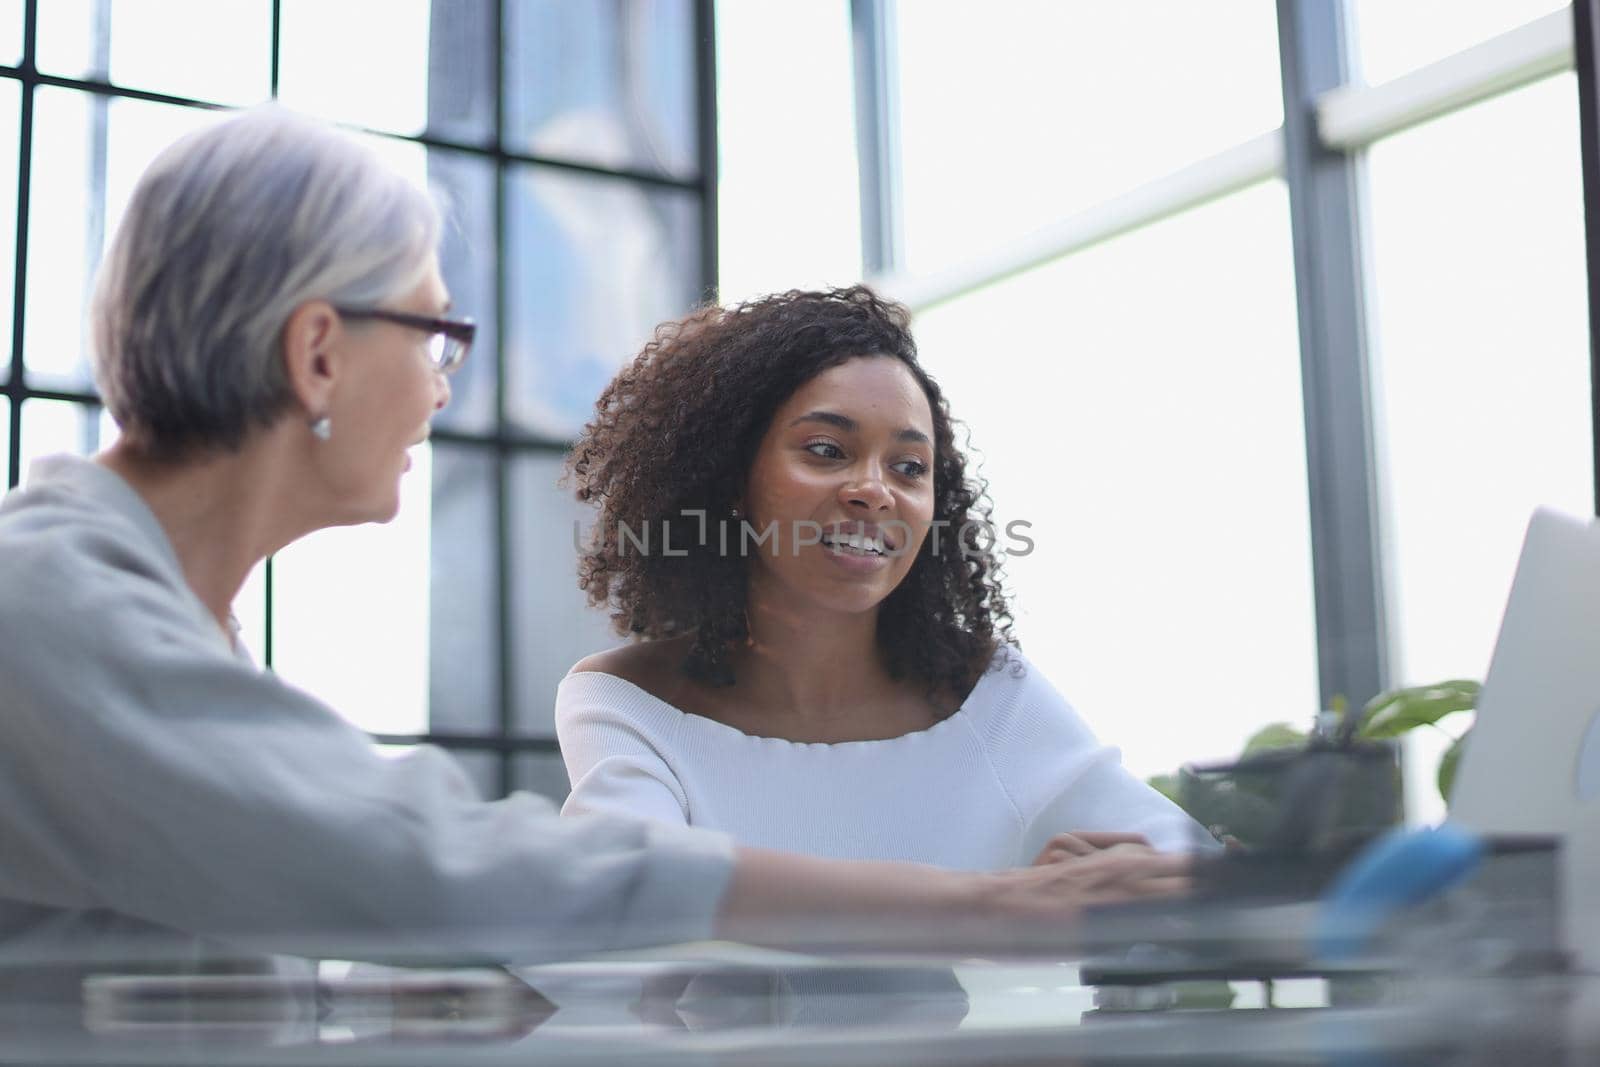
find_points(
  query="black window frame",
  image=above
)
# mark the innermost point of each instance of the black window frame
(503, 442)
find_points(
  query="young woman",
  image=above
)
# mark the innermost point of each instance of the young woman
(824, 660)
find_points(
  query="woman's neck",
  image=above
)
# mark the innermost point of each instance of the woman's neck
(223, 512)
(814, 666)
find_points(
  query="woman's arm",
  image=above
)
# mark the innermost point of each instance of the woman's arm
(210, 798)
(1065, 781)
(810, 903)
(146, 771)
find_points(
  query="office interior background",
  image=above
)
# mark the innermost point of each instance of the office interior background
(1246, 497)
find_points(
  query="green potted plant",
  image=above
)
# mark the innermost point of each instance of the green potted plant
(1245, 800)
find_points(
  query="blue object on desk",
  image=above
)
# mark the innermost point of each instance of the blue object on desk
(1400, 869)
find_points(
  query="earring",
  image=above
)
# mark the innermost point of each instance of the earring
(322, 427)
(733, 513)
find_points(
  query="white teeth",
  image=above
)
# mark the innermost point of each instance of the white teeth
(855, 542)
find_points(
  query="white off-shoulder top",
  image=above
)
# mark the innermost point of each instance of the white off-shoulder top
(980, 790)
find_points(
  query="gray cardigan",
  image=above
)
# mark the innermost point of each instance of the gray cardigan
(159, 794)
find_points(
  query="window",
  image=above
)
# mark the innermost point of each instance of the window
(1027, 111)
(1481, 344)
(1136, 399)
(789, 216)
(1394, 39)
(1139, 405)
(1473, 309)
(1483, 364)
(578, 203)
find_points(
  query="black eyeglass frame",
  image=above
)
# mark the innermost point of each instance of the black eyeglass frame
(461, 331)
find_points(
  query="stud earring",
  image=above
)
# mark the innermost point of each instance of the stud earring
(322, 427)
(733, 513)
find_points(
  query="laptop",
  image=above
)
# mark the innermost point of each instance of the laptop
(1532, 763)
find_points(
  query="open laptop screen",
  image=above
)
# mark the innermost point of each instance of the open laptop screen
(1534, 752)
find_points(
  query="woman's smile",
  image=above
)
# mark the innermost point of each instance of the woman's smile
(861, 547)
(854, 559)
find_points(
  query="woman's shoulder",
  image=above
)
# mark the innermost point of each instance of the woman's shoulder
(653, 666)
(1014, 698)
(639, 680)
(66, 555)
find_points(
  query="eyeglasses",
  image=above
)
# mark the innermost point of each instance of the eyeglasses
(449, 340)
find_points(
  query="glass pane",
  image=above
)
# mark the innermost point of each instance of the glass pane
(109, 430)
(611, 84)
(407, 157)
(594, 265)
(404, 66)
(10, 105)
(1482, 365)
(66, 233)
(74, 38)
(11, 32)
(771, 97)
(461, 89)
(465, 185)
(1392, 39)
(552, 624)
(1053, 107)
(217, 50)
(350, 613)
(5, 444)
(356, 62)
(1139, 404)
(464, 579)
(53, 426)
(88, 151)
(542, 773)
(50, 427)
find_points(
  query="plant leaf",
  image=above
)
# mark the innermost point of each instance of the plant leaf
(1400, 710)
(1448, 763)
(1218, 803)
(1166, 785)
(1273, 735)
(1211, 994)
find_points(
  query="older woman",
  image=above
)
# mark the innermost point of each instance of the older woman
(272, 334)
(826, 664)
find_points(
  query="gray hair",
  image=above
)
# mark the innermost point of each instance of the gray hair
(228, 231)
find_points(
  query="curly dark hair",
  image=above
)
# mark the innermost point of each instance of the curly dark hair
(676, 431)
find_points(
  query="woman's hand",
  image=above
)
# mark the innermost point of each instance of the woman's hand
(1119, 871)
(814, 904)
(1080, 843)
